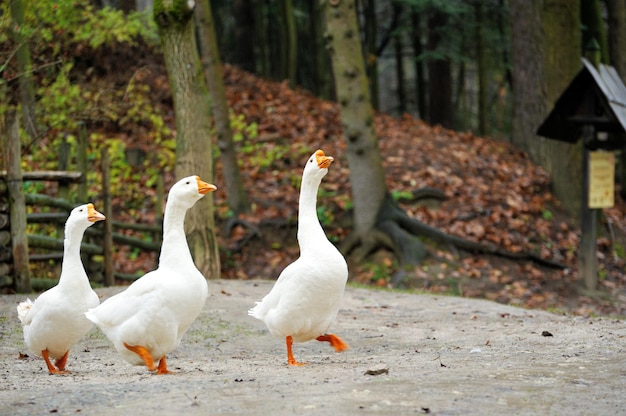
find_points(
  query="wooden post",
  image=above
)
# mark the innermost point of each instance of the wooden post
(158, 236)
(587, 252)
(81, 161)
(109, 277)
(15, 185)
(64, 188)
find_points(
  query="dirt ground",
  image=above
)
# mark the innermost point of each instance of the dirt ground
(409, 354)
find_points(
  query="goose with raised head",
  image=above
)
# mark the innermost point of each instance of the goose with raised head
(148, 319)
(306, 297)
(56, 321)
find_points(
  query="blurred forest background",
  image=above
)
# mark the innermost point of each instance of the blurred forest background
(458, 88)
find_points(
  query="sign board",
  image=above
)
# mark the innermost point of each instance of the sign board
(601, 179)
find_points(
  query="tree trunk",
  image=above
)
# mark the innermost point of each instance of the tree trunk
(243, 13)
(398, 46)
(420, 77)
(530, 101)
(24, 64)
(357, 117)
(481, 64)
(19, 243)
(561, 43)
(193, 124)
(289, 42)
(322, 76)
(440, 75)
(237, 196)
(617, 52)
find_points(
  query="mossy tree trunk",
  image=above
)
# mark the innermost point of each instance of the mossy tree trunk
(24, 63)
(530, 101)
(192, 105)
(545, 58)
(237, 196)
(375, 212)
(378, 220)
(562, 50)
(617, 51)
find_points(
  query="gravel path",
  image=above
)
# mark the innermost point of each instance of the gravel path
(409, 354)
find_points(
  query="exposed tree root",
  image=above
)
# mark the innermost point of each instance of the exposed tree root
(399, 232)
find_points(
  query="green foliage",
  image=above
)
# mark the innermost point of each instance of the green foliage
(401, 195)
(61, 101)
(325, 215)
(263, 154)
(547, 214)
(62, 23)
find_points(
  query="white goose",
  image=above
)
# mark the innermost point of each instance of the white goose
(307, 295)
(56, 321)
(148, 319)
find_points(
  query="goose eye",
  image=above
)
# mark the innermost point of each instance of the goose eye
(187, 183)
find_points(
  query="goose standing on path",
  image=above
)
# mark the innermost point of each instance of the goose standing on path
(307, 295)
(148, 319)
(56, 320)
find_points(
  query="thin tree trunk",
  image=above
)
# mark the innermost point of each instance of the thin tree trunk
(243, 13)
(617, 52)
(561, 43)
(530, 101)
(481, 63)
(420, 76)
(289, 42)
(19, 242)
(398, 48)
(322, 76)
(357, 116)
(193, 125)
(237, 196)
(107, 210)
(617, 35)
(24, 64)
(439, 76)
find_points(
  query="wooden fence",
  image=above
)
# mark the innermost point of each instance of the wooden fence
(99, 240)
(16, 245)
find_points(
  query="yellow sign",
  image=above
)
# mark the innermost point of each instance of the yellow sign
(601, 179)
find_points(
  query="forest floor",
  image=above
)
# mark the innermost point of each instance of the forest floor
(408, 354)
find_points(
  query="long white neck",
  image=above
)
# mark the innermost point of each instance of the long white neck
(310, 232)
(174, 248)
(72, 269)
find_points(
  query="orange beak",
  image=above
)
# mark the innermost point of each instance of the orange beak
(93, 215)
(204, 187)
(323, 161)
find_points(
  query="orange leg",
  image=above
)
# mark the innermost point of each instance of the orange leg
(60, 363)
(144, 354)
(51, 368)
(163, 367)
(290, 359)
(334, 340)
